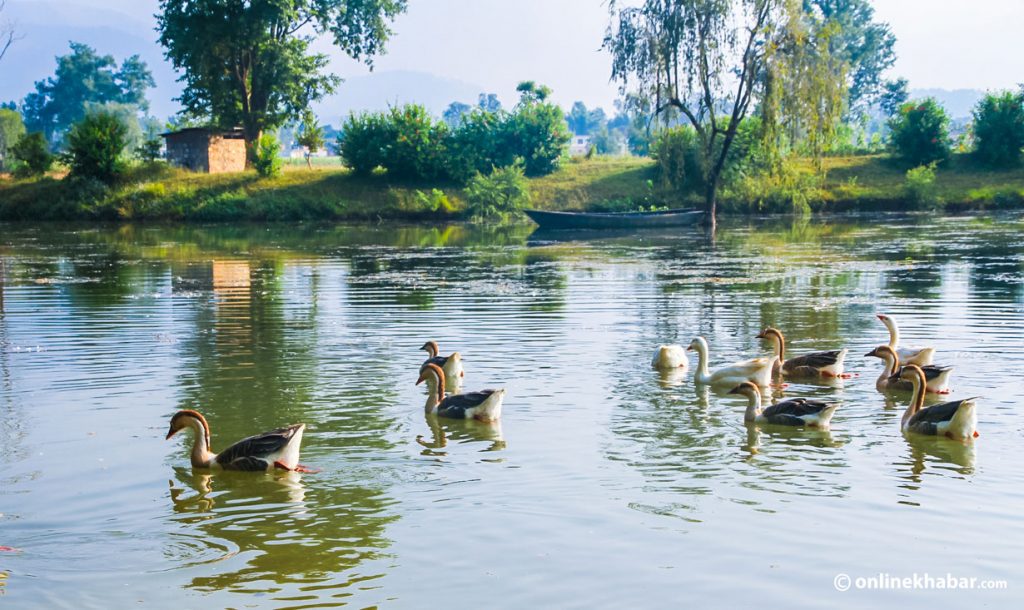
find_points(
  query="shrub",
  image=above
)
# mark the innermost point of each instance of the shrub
(677, 152)
(364, 140)
(312, 136)
(266, 156)
(919, 186)
(477, 145)
(32, 155)
(919, 133)
(418, 149)
(538, 133)
(999, 129)
(150, 150)
(498, 195)
(95, 145)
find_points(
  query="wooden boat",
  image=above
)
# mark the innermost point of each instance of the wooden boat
(616, 220)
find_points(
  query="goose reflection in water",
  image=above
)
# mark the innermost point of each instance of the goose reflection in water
(938, 453)
(204, 498)
(460, 431)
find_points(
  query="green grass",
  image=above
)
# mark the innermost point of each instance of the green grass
(329, 191)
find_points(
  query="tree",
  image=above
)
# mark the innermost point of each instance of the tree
(11, 130)
(701, 58)
(33, 154)
(920, 132)
(7, 32)
(999, 129)
(95, 145)
(894, 94)
(866, 46)
(489, 102)
(312, 136)
(84, 78)
(583, 122)
(454, 112)
(250, 63)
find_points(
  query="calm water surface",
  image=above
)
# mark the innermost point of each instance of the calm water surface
(606, 485)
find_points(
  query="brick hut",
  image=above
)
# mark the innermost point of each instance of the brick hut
(206, 150)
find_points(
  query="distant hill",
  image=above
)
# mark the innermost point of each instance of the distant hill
(958, 102)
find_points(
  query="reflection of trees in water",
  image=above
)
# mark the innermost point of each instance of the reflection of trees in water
(266, 532)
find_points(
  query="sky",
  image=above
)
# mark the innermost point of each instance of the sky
(493, 44)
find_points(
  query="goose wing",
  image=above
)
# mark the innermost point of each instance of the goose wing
(928, 419)
(456, 405)
(438, 360)
(931, 372)
(245, 454)
(797, 407)
(748, 367)
(817, 360)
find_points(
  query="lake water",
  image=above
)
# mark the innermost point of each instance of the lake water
(605, 485)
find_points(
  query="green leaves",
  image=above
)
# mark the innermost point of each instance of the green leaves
(95, 145)
(920, 132)
(999, 129)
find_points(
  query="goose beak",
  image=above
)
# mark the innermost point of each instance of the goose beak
(881, 316)
(420, 380)
(170, 433)
(760, 335)
(736, 390)
(871, 353)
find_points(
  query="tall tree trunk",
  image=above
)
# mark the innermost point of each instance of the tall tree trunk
(711, 203)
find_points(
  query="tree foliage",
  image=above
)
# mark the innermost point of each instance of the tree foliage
(95, 146)
(454, 112)
(920, 133)
(250, 63)
(84, 79)
(700, 58)
(999, 129)
(499, 194)
(894, 94)
(867, 47)
(266, 156)
(32, 154)
(585, 122)
(11, 130)
(312, 136)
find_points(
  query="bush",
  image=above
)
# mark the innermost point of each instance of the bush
(919, 186)
(32, 154)
(920, 133)
(95, 145)
(999, 129)
(364, 140)
(266, 157)
(417, 151)
(538, 133)
(477, 145)
(677, 152)
(498, 195)
(150, 150)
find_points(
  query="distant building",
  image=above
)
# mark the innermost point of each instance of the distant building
(206, 150)
(579, 145)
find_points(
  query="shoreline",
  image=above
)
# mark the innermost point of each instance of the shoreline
(158, 193)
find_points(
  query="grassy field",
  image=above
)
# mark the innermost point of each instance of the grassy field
(328, 191)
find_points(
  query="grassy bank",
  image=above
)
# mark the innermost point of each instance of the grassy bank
(331, 192)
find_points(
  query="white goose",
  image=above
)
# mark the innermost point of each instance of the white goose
(668, 357)
(957, 419)
(921, 356)
(757, 370)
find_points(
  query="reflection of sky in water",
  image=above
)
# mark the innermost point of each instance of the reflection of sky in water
(606, 484)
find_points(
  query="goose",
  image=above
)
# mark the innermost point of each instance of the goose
(757, 370)
(277, 449)
(452, 364)
(670, 357)
(921, 356)
(791, 412)
(957, 419)
(815, 364)
(936, 377)
(484, 405)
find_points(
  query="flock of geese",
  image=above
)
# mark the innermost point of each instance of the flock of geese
(905, 369)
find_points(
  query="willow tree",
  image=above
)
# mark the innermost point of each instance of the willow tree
(248, 62)
(703, 58)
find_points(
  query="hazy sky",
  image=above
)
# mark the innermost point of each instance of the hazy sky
(495, 43)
